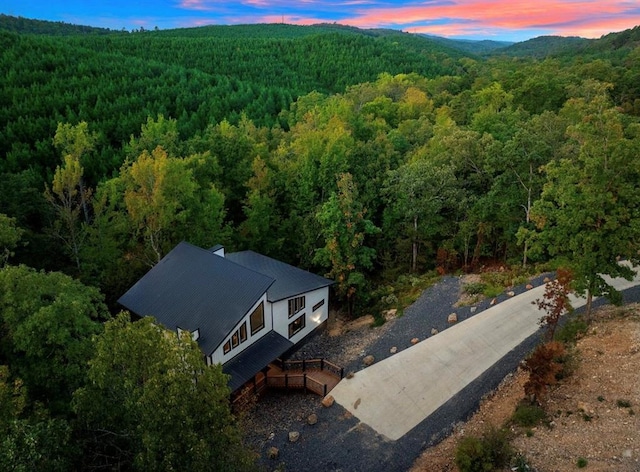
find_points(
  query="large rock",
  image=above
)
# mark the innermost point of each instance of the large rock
(415, 340)
(511, 293)
(273, 452)
(452, 318)
(312, 419)
(294, 436)
(434, 331)
(393, 350)
(328, 401)
(368, 360)
(529, 286)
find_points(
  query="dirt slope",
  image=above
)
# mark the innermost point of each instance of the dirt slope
(594, 414)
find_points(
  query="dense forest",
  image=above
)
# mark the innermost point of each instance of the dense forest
(371, 156)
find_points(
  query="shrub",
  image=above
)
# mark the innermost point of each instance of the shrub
(571, 331)
(544, 365)
(475, 288)
(623, 403)
(492, 291)
(582, 462)
(528, 415)
(520, 464)
(489, 452)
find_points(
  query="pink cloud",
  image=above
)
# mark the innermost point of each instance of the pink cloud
(586, 18)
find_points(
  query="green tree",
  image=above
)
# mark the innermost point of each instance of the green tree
(47, 321)
(166, 409)
(417, 193)
(10, 236)
(588, 216)
(155, 189)
(344, 228)
(68, 194)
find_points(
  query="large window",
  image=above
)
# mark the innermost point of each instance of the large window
(296, 326)
(256, 320)
(296, 305)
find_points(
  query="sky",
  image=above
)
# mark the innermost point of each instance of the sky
(500, 20)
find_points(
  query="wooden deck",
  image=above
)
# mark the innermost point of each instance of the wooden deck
(317, 376)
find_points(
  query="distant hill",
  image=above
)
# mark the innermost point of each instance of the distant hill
(559, 46)
(470, 46)
(544, 46)
(18, 24)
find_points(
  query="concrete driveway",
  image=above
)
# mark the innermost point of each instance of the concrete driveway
(396, 394)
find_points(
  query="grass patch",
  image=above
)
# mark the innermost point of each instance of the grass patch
(474, 288)
(582, 462)
(528, 415)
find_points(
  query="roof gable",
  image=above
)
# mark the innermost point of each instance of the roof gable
(192, 288)
(289, 280)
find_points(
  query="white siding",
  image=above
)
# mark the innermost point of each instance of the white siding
(313, 319)
(218, 356)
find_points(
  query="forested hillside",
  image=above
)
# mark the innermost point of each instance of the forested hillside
(371, 156)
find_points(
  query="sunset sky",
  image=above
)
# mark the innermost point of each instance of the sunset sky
(507, 20)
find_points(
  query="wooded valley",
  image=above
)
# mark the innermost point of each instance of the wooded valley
(369, 156)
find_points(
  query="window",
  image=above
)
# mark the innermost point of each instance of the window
(227, 347)
(235, 340)
(318, 305)
(296, 326)
(296, 305)
(256, 320)
(243, 332)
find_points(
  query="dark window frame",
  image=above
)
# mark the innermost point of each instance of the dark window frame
(297, 325)
(318, 305)
(296, 305)
(255, 329)
(243, 332)
(226, 349)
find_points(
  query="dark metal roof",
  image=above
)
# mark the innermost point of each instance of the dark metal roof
(253, 359)
(192, 288)
(289, 280)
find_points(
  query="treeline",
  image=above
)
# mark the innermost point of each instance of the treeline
(116, 81)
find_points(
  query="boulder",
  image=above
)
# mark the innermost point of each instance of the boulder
(528, 286)
(393, 350)
(273, 452)
(493, 302)
(390, 314)
(368, 360)
(328, 401)
(434, 331)
(312, 419)
(294, 436)
(473, 309)
(511, 293)
(546, 280)
(415, 340)
(452, 318)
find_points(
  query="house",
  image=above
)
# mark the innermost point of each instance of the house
(244, 309)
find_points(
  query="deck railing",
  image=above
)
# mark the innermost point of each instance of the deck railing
(312, 364)
(297, 381)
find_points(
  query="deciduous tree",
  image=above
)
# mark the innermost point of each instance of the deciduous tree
(151, 403)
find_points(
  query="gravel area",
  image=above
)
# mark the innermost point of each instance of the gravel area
(338, 441)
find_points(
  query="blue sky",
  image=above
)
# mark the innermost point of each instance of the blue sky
(508, 20)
